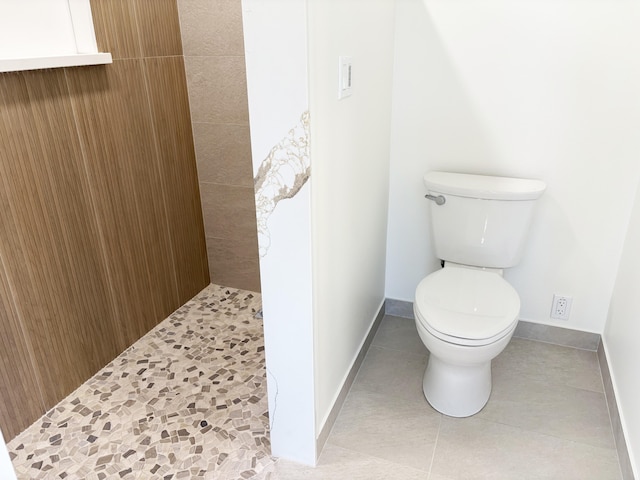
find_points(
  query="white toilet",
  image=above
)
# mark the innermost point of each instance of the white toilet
(466, 312)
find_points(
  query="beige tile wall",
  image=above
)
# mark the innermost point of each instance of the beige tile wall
(214, 61)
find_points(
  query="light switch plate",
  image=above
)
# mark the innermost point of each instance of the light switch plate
(345, 68)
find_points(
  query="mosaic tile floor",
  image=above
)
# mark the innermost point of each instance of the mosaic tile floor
(188, 400)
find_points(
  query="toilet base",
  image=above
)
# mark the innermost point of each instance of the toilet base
(457, 390)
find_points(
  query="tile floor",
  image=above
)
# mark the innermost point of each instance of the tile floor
(189, 401)
(547, 419)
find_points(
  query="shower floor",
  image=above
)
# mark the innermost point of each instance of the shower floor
(188, 400)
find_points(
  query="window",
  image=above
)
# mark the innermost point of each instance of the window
(47, 34)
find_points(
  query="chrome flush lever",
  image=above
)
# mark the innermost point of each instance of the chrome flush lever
(438, 199)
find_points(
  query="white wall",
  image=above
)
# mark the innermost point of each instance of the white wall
(350, 158)
(526, 88)
(275, 37)
(621, 337)
(322, 250)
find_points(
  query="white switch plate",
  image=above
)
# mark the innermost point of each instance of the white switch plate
(345, 68)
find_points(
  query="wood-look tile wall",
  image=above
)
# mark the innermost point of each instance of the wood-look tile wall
(214, 56)
(101, 231)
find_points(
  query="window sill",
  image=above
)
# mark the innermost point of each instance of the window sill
(80, 59)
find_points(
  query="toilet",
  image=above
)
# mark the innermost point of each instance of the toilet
(467, 312)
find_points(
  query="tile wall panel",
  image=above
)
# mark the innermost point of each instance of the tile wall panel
(230, 229)
(49, 239)
(116, 28)
(20, 396)
(223, 153)
(229, 211)
(172, 123)
(159, 27)
(101, 230)
(218, 89)
(213, 45)
(230, 263)
(212, 27)
(124, 176)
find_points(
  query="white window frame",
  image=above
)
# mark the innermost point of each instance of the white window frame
(85, 40)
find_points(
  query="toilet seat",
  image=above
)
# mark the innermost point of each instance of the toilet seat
(466, 306)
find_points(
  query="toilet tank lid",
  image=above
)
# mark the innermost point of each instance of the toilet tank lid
(484, 186)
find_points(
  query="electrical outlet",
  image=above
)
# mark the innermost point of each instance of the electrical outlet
(561, 307)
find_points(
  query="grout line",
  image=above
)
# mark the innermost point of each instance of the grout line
(224, 124)
(529, 339)
(214, 56)
(251, 187)
(142, 57)
(435, 446)
(421, 355)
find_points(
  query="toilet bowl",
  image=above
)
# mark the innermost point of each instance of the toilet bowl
(465, 317)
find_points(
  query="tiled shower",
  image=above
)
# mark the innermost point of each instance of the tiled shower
(101, 219)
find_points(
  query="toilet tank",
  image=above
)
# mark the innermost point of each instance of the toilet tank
(484, 220)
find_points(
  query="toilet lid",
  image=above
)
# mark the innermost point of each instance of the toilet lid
(466, 303)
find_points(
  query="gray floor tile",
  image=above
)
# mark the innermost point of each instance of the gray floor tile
(338, 463)
(381, 426)
(564, 412)
(549, 363)
(392, 372)
(399, 308)
(472, 448)
(399, 334)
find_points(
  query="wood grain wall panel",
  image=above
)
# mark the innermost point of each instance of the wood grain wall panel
(172, 123)
(116, 28)
(20, 395)
(101, 232)
(117, 133)
(49, 236)
(159, 27)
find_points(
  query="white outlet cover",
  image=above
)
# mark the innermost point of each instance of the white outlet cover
(561, 307)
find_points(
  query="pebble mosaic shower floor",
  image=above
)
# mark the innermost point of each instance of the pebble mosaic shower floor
(188, 400)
